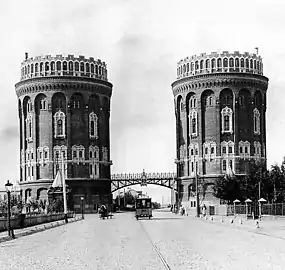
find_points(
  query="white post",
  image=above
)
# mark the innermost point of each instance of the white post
(64, 189)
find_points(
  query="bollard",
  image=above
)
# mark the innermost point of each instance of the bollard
(231, 221)
(222, 220)
(212, 218)
(240, 221)
(257, 224)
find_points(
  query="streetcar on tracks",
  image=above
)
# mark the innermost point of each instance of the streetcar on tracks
(143, 207)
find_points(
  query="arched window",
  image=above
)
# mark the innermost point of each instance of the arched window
(251, 63)
(100, 70)
(237, 62)
(93, 126)
(227, 125)
(96, 69)
(213, 63)
(52, 66)
(201, 64)
(32, 68)
(58, 65)
(59, 127)
(196, 65)
(46, 66)
(87, 68)
(76, 66)
(187, 67)
(192, 66)
(242, 62)
(82, 67)
(256, 121)
(64, 66)
(224, 165)
(41, 66)
(207, 63)
(36, 67)
(225, 62)
(194, 125)
(219, 62)
(246, 63)
(70, 66)
(231, 62)
(92, 68)
(59, 124)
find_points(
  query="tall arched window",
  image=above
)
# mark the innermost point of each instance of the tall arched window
(29, 127)
(193, 127)
(256, 121)
(93, 126)
(59, 124)
(227, 125)
(59, 127)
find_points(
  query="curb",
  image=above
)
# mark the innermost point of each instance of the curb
(39, 228)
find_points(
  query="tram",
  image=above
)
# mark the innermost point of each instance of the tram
(143, 207)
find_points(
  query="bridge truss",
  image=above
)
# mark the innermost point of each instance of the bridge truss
(162, 179)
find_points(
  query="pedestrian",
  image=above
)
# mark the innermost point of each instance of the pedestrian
(204, 210)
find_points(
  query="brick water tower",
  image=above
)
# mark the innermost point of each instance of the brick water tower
(220, 106)
(64, 110)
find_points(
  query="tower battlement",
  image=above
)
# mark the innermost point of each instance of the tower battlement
(60, 65)
(220, 62)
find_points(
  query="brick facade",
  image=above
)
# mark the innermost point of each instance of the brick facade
(56, 101)
(220, 106)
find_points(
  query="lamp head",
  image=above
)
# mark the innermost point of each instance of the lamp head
(8, 186)
(82, 198)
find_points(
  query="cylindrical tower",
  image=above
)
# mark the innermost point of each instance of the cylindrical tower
(64, 109)
(220, 105)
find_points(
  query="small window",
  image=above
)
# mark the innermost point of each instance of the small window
(212, 150)
(245, 150)
(196, 151)
(41, 155)
(227, 122)
(206, 150)
(80, 154)
(192, 166)
(224, 150)
(46, 154)
(224, 165)
(90, 154)
(230, 150)
(74, 154)
(240, 150)
(192, 152)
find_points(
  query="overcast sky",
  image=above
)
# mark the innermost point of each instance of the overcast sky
(141, 42)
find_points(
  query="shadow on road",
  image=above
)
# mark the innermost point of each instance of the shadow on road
(165, 218)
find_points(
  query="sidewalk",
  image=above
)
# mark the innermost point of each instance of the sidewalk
(37, 228)
(266, 226)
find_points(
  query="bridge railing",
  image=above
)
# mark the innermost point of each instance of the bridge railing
(138, 176)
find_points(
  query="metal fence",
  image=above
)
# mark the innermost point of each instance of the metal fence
(277, 209)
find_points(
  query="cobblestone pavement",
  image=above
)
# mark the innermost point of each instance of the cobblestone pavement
(167, 241)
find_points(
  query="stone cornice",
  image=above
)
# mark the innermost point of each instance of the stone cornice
(38, 85)
(208, 81)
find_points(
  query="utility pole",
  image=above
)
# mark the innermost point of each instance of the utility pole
(64, 189)
(197, 191)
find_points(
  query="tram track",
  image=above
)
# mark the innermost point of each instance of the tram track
(156, 248)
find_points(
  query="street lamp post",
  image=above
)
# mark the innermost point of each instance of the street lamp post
(82, 211)
(9, 187)
(197, 191)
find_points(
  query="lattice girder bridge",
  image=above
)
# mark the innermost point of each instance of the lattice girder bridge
(122, 180)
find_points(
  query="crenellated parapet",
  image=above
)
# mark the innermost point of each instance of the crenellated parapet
(59, 65)
(217, 62)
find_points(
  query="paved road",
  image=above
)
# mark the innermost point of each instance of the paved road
(165, 242)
